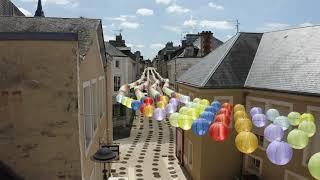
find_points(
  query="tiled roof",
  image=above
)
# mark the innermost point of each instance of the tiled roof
(86, 28)
(198, 74)
(113, 51)
(225, 67)
(288, 60)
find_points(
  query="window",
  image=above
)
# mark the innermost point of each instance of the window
(102, 96)
(262, 142)
(188, 153)
(118, 110)
(253, 165)
(289, 175)
(314, 142)
(87, 113)
(89, 110)
(94, 103)
(117, 64)
(116, 82)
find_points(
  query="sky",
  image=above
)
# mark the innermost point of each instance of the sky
(148, 24)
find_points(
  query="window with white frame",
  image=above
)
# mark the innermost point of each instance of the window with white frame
(253, 165)
(314, 142)
(116, 83)
(102, 96)
(94, 103)
(188, 153)
(87, 113)
(289, 175)
(262, 142)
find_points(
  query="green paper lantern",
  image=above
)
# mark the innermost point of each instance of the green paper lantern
(193, 113)
(314, 165)
(306, 117)
(297, 139)
(185, 122)
(173, 119)
(183, 110)
(309, 127)
(294, 118)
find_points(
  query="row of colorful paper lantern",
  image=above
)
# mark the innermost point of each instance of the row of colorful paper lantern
(246, 141)
(219, 130)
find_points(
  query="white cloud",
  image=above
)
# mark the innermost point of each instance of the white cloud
(145, 12)
(215, 6)
(66, 3)
(216, 24)
(176, 9)
(191, 23)
(135, 46)
(130, 25)
(306, 24)
(157, 46)
(25, 12)
(122, 18)
(273, 26)
(166, 2)
(172, 28)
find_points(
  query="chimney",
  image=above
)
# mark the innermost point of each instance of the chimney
(206, 42)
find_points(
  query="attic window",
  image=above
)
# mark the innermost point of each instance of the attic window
(285, 36)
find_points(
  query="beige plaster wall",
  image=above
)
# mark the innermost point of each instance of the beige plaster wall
(39, 134)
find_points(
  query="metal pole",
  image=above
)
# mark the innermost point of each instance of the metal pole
(175, 74)
(105, 177)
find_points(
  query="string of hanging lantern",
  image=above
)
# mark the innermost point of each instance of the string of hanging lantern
(203, 117)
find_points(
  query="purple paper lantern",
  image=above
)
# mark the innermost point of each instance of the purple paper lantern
(159, 114)
(273, 133)
(170, 108)
(279, 152)
(255, 110)
(174, 101)
(259, 120)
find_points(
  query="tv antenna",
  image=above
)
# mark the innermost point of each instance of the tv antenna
(119, 30)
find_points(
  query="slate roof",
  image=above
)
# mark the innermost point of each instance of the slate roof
(288, 60)
(113, 51)
(225, 67)
(85, 28)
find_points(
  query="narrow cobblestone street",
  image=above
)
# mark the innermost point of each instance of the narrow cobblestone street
(149, 152)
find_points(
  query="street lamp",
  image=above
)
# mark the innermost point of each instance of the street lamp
(104, 155)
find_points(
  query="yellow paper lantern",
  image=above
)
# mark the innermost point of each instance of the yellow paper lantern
(185, 122)
(246, 142)
(173, 119)
(306, 117)
(148, 111)
(239, 107)
(183, 110)
(243, 124)
(164, 98)
(161, 104)
(239, 114)
(192, 113)
(204, 102)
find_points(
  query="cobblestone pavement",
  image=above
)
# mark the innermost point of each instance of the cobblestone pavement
(148, 153)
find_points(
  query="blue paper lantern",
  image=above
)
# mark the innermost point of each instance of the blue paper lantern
(282, 121)
(259, 120)
(209, 116)
(135, 105)
(200, 126)
(255, 110)
(142, 99)
(210, 109)
(279, 152)
(216, 104)
(273, 133)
